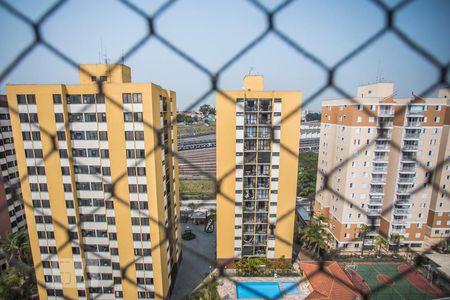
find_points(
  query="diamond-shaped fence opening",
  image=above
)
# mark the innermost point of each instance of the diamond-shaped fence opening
(390, 26)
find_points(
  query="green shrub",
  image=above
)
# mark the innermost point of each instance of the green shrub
(187, 236)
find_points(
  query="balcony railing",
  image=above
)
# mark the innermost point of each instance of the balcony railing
(413, 124)
(378, 179)
(409, 157)
(407, 169)
(374, 211)
(380, 158)
(398, 230)
(410, 147)
(406, 179)
(414, 135)
(379, 169)
(375, 201)
(399, 211)
(399, 221)
(382, 146)
(376, 191)
(249, 208)
(385, 124)
(385, 112)
(415, 112)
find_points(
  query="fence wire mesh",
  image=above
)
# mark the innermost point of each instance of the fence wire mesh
(152, 32)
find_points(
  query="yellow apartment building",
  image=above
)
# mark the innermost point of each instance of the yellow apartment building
(100, 184)
(258, 135)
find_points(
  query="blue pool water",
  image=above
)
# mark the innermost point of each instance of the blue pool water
(258, 290)
(289, 287)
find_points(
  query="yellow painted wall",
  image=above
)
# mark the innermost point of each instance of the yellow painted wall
(116, 141)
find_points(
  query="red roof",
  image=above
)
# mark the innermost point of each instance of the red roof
(329, 283)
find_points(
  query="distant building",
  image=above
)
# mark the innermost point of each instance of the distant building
(88, 240)
(258, 177)
(386, 186)
(310, 136)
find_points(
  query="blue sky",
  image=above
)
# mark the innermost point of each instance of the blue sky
(213, 31)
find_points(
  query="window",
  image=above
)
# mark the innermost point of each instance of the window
(100, 98)
(101, 117)
(57, 99)
(139, 135)
(126, 98)
(21, 99)
(93, 78)
(359, 119)
(74, 99)
(90, 117)
(137, 98)
(91, 135)
(88, 99)
(437, 119)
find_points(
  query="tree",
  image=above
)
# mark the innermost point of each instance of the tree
(363, 231)
(313, 117)
(316, 236)
(397, 238)
(207, 110)
(307, 173)
(180, 118)
(15, 245)
(380, 243)
(188, 119)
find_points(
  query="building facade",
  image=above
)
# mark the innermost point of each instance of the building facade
(100, 184)
(310, 136)
(378, 153)
(257, 160)
(12, 213)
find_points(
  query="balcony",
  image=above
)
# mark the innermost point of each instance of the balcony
(383, 135)
(380, 158)
(413, 124)
(401, 211)
(374, 211)
(407, 169)
(382, 146)
(399, 221)
(412, 135)
(402, 202)
(410, 147)
(378, 180)
(249, 208)
(415, 112)
(385, 124)
(375, 201)
(398, 230)
(406, 179)
(376, 191)
(385, 113)
(379, 169)
(409, 158)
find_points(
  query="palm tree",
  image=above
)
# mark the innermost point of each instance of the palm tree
(397, 237)
(15, 245)
(315, 235)
(381, 242)
(364, 229)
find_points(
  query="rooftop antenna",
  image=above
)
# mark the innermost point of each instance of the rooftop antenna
(378, 79)
(250, 71)
(100, 51)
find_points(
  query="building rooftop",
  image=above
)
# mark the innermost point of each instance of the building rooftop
(329, 283)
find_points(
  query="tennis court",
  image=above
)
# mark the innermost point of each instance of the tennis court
(392, 281)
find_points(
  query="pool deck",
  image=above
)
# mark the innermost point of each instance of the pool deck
(227, 288)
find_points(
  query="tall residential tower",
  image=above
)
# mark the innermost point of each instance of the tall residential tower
(12, 213)
(257, 159)
(384, 155)
(100, 184)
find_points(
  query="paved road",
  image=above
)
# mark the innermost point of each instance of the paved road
(198, 255)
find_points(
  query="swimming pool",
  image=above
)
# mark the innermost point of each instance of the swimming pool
(258, 290)
(265, 290)
(289, 287)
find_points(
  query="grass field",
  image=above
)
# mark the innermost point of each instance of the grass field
(401, 288)
(197, 189)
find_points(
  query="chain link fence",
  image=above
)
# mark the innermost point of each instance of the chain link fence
(390, 26)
